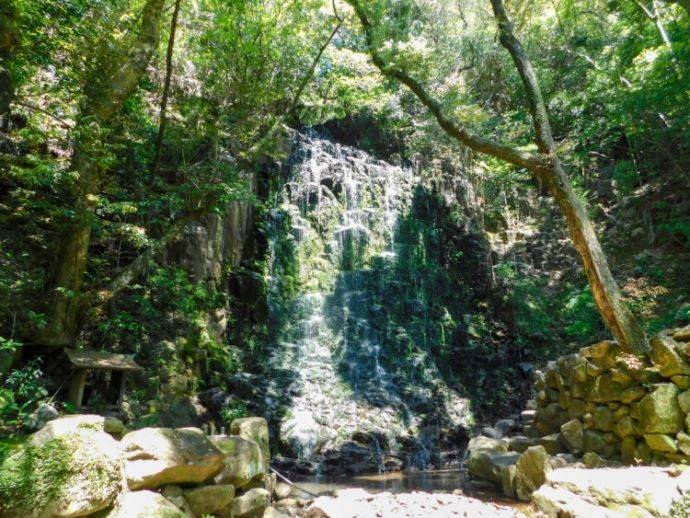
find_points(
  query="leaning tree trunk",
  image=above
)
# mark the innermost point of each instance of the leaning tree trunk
(100, 107)
(545, 166)
(617, 317)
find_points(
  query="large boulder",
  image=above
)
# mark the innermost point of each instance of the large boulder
(608, 492)
(489, 460)
(490, 465)
(63, 473)
(253, 429)
(68, 424)
(572, 434)
(243, 460)
(531, 470)
(207, 500)
(158, 456)
(144, 504)
(252, 504)
(659, 411)
(666, 357)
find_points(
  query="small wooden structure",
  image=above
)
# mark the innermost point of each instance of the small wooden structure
(114, 366)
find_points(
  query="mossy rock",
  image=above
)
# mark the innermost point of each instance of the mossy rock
(155, 457)
(73, 474)
(667, 357)
(661, 442)
(659, 411)
(531, 470)
(144, 504)
(253, 429)
(243, 460)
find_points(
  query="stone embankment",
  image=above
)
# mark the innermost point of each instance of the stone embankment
(88, 465)
(595, 414)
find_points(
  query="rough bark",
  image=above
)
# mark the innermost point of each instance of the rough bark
(105, 100)
(9, 40)
(545, 166)
(627, 330)
(163, 119)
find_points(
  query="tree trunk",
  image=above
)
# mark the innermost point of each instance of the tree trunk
(163, 119)
(620, 321)
(545, 166)
(100, 106)
(9, 40)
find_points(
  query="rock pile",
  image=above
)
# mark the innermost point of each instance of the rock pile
(74, 466)
(599, 407)
(619, 406)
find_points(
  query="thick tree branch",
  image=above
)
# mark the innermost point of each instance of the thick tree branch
(453, 128)
(310, 73)
(545, 166)
(102, 103)
(617, 317)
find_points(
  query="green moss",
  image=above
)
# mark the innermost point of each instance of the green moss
(35, 475)
(681, 507)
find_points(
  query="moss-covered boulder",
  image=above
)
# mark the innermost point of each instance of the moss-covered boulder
(253, 429)
(684, 401)
(572, 434)
(531, 470)
(490, 465)
(252, 504)
(74, 473)
(68, 424)
(626, 426)
(243, 460)
(144, 504)
(207, 500)
(666, 356)
(661, 442)
(593, 440)
(659, 411)
(158, 456)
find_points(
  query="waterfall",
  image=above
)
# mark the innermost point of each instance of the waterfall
(341, 207)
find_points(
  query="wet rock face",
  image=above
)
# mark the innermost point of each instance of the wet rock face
(346, 388)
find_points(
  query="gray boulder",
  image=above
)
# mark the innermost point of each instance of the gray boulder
(74, 472)
(144, 504)
(531, 470)
(243, 460)
(158, 456)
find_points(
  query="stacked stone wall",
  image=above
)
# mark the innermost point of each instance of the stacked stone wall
(620, 406)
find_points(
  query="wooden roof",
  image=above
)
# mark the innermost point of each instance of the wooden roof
(88, 359)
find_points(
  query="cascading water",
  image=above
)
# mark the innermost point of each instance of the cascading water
(341, 207)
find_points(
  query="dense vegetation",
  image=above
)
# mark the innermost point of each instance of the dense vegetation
(123, 123)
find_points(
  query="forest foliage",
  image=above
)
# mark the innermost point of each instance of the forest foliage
(614, 74)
